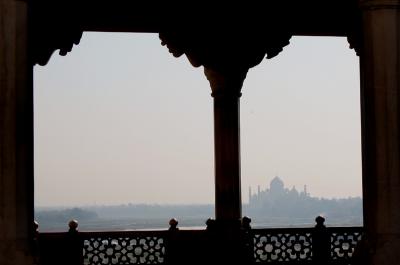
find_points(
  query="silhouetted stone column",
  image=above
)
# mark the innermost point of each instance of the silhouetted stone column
(225, 233)
(380, 98)
(226, 54)
(16, 136)
(226, 93)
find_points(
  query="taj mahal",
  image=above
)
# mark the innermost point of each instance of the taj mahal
(276, 191)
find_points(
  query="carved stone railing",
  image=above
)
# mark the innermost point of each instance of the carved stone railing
(316, 245)
(139, 247)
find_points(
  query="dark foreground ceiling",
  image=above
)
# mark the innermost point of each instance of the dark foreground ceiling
(200, 30)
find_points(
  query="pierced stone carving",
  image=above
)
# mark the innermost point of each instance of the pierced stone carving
(123, 250)
(280, 247)
(343, 244)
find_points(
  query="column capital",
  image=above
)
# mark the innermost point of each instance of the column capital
(225, 84)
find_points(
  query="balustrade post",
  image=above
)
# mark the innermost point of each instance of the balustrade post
(212, 242)
(36, 256)
(172, 243)
(247, 241)
(74, 245)
(321, 242)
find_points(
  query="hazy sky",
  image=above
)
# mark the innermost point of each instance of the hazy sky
(120, 120)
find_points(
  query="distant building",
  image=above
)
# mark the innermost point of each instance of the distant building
(276, 192)
(293, 207)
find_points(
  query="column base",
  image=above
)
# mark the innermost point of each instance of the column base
(381, 249)
(10, 254)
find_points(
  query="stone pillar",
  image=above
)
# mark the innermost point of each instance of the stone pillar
(16, 136)
(226, 93)
(380, 103)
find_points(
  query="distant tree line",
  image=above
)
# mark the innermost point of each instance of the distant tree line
(154, 211)
(49, 218)
(276, 206)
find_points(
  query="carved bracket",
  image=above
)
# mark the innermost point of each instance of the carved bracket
(355, 29)
(225, 51)
(355, 41)
(51, 31)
